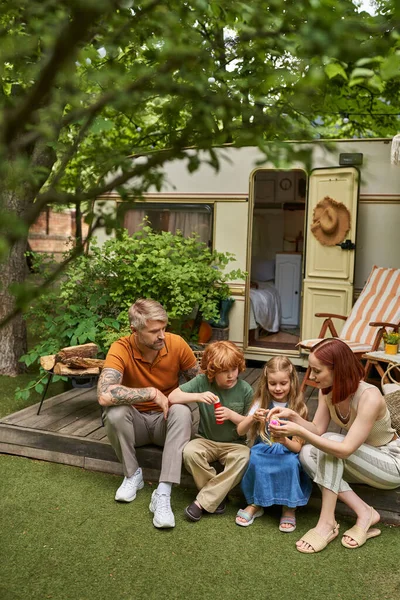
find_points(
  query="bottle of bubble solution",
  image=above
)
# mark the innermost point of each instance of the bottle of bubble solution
(273, 422)
(217, 404)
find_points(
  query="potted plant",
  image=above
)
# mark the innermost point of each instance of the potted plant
(391, 342)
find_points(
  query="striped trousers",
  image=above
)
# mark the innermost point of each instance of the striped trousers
(378, 467)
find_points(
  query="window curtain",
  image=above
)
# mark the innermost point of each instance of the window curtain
(188, 222)
(191, 222)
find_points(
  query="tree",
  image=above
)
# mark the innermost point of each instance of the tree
(99, 93)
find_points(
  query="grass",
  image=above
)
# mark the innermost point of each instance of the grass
(64, 537)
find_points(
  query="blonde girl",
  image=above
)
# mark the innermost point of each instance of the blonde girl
(274, 474)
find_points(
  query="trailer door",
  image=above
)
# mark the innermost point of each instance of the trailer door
(329, 270)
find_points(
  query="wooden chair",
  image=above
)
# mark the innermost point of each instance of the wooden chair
(199, 355)
(376, 310)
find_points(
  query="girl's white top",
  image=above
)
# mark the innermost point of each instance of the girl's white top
(275, 404)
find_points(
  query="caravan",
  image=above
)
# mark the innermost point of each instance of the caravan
(269, 218)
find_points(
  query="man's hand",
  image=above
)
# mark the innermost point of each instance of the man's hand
(162, 402)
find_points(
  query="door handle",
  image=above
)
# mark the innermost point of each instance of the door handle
(347, 245)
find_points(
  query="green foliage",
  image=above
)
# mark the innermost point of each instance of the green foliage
(91, 305)
(97, 96)
(392, 338)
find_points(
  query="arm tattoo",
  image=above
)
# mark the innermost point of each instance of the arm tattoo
(120, 394)
(190, 373)
(108, 377)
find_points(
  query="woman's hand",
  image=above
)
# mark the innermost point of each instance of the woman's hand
(282, 413)
(261, 415)
(207, 398)
(285, 429)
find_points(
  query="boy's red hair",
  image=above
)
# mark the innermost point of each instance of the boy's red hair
(347, 369)
(221, 356)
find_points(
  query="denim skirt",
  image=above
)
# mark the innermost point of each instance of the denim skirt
(275, 476)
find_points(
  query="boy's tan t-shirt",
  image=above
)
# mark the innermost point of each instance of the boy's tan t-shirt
(176, 356)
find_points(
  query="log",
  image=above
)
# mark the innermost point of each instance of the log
(83, 351)
(48, 362)
(60, 369)
(76, 362)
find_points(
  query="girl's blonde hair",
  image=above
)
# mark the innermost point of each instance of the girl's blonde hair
(264, 398)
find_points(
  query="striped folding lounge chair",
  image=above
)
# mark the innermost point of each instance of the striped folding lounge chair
(377, 310)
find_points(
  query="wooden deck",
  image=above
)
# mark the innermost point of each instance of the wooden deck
(69, 430)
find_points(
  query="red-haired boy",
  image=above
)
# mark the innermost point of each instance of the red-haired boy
(221, 364)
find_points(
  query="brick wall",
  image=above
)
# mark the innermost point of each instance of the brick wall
(54, 232)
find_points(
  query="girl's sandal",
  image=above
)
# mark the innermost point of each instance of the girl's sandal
(317, 541)
(248, 517)
(289, 521)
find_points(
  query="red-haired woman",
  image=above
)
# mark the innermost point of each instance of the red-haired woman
(368, 453)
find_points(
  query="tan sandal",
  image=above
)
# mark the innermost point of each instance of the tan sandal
(317, 541)
(360, 535)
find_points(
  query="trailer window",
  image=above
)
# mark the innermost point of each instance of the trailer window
(187, 218)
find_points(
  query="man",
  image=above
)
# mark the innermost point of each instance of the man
(139, 372)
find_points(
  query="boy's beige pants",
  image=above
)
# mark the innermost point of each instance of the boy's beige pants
(213, 486)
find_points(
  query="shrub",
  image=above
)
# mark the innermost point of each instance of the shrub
(92, 302)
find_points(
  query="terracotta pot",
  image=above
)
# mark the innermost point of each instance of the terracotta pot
(205, 332)
(391, 348)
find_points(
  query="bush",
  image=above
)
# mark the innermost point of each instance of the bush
(92, 302)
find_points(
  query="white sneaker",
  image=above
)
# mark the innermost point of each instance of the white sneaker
(130, 485)
(160, 506)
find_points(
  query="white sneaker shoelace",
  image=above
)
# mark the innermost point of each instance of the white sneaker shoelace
(128, 488)
(161, 507)
(131, 483)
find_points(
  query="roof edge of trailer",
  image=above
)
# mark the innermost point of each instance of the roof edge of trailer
(313, 141)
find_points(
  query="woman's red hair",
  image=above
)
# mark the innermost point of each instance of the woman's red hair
(221, 356)
(347, 369)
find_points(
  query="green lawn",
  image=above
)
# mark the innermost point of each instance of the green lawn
(63, 537)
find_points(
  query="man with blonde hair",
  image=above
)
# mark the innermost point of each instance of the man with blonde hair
(139, 373)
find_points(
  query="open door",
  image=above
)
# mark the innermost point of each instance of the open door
(329, 269)
(277, 203)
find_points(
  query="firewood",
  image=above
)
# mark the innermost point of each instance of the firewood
(48, 362)
(60, 369)
(76, 362)
(83, 351)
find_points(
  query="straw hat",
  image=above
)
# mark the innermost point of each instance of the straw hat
(331, 222)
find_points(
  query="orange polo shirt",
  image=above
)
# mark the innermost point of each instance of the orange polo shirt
(124, 356)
